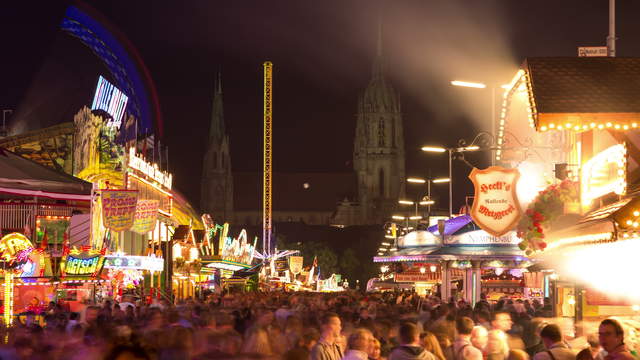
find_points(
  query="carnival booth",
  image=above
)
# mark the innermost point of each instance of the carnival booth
(37, 207)
(582, 231)
(463, 261)
(207, 260)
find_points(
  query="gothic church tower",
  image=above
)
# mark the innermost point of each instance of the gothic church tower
(378, 154)
(216, 196)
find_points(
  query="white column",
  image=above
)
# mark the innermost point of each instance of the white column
(446, 281)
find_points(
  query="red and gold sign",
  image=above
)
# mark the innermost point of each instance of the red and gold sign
(146, 216)
(495, 206)
(119, 209)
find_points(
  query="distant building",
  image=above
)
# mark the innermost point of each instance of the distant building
(216, 195)
(366, 196)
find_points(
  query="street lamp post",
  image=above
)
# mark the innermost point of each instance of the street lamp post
(425, 201)
(451, 151)
(493, 101)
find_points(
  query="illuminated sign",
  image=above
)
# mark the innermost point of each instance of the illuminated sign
(150, 170)
(15, 248)
(82, 263)
(495, 206)
(419, 238)
(150, 263)
(603, 174)
(481, 237)
(111, 100)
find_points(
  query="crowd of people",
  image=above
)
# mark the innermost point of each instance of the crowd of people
(292, 326)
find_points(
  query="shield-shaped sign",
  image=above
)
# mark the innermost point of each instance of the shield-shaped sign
(495, 207)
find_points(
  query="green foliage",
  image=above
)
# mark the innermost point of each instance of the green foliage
(349, 264)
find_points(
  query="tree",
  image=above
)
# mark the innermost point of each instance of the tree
(327, 261)
(350, 265)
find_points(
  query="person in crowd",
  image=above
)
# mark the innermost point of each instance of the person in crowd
(611, 337)
(431, 344)
(556, 348)
(517, 354)
(305, 343)
(462, 347)
(410, 348)
(359, 345)
(327, 348)
(479, 338)
(497, 347)
(376, 350)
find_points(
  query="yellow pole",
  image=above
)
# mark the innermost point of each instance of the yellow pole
(8, 298)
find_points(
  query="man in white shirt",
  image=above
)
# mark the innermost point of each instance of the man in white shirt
(462, 347)
(556, 348)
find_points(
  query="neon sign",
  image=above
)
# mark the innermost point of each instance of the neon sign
(150, 170)
(15, 248)
(110, 99)
(83, 263)
(603, 174)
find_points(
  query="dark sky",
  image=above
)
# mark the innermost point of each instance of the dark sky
(322, 53)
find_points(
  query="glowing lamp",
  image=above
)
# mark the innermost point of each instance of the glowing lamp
(193, 254)
(440, 180)
(416, 180)
(423, 270)
(433, 149)
(177, 251)
(433, 268)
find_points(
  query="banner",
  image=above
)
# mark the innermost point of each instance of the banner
(146, 216)
(118, 209)
(295, 264)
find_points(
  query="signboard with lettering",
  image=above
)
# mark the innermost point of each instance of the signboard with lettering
(111, 100)
(12, 246)
(118, 208)
(592, 51)
(426, 277)
(149, 170)
(603, 174)
(295, 264)
(481, 237)
(146, 216)
(82, 262)
(495, 206)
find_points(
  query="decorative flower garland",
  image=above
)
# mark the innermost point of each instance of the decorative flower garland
(545, 208)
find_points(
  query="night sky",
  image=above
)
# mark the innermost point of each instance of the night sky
(322, 53)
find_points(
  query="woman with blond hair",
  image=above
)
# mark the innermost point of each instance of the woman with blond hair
(431, 344)
(497, 347)
(376, 351)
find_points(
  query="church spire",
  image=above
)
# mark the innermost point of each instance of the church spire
(217, 128)
(378, 63)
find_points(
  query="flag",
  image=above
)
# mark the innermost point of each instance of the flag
(313, 267)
